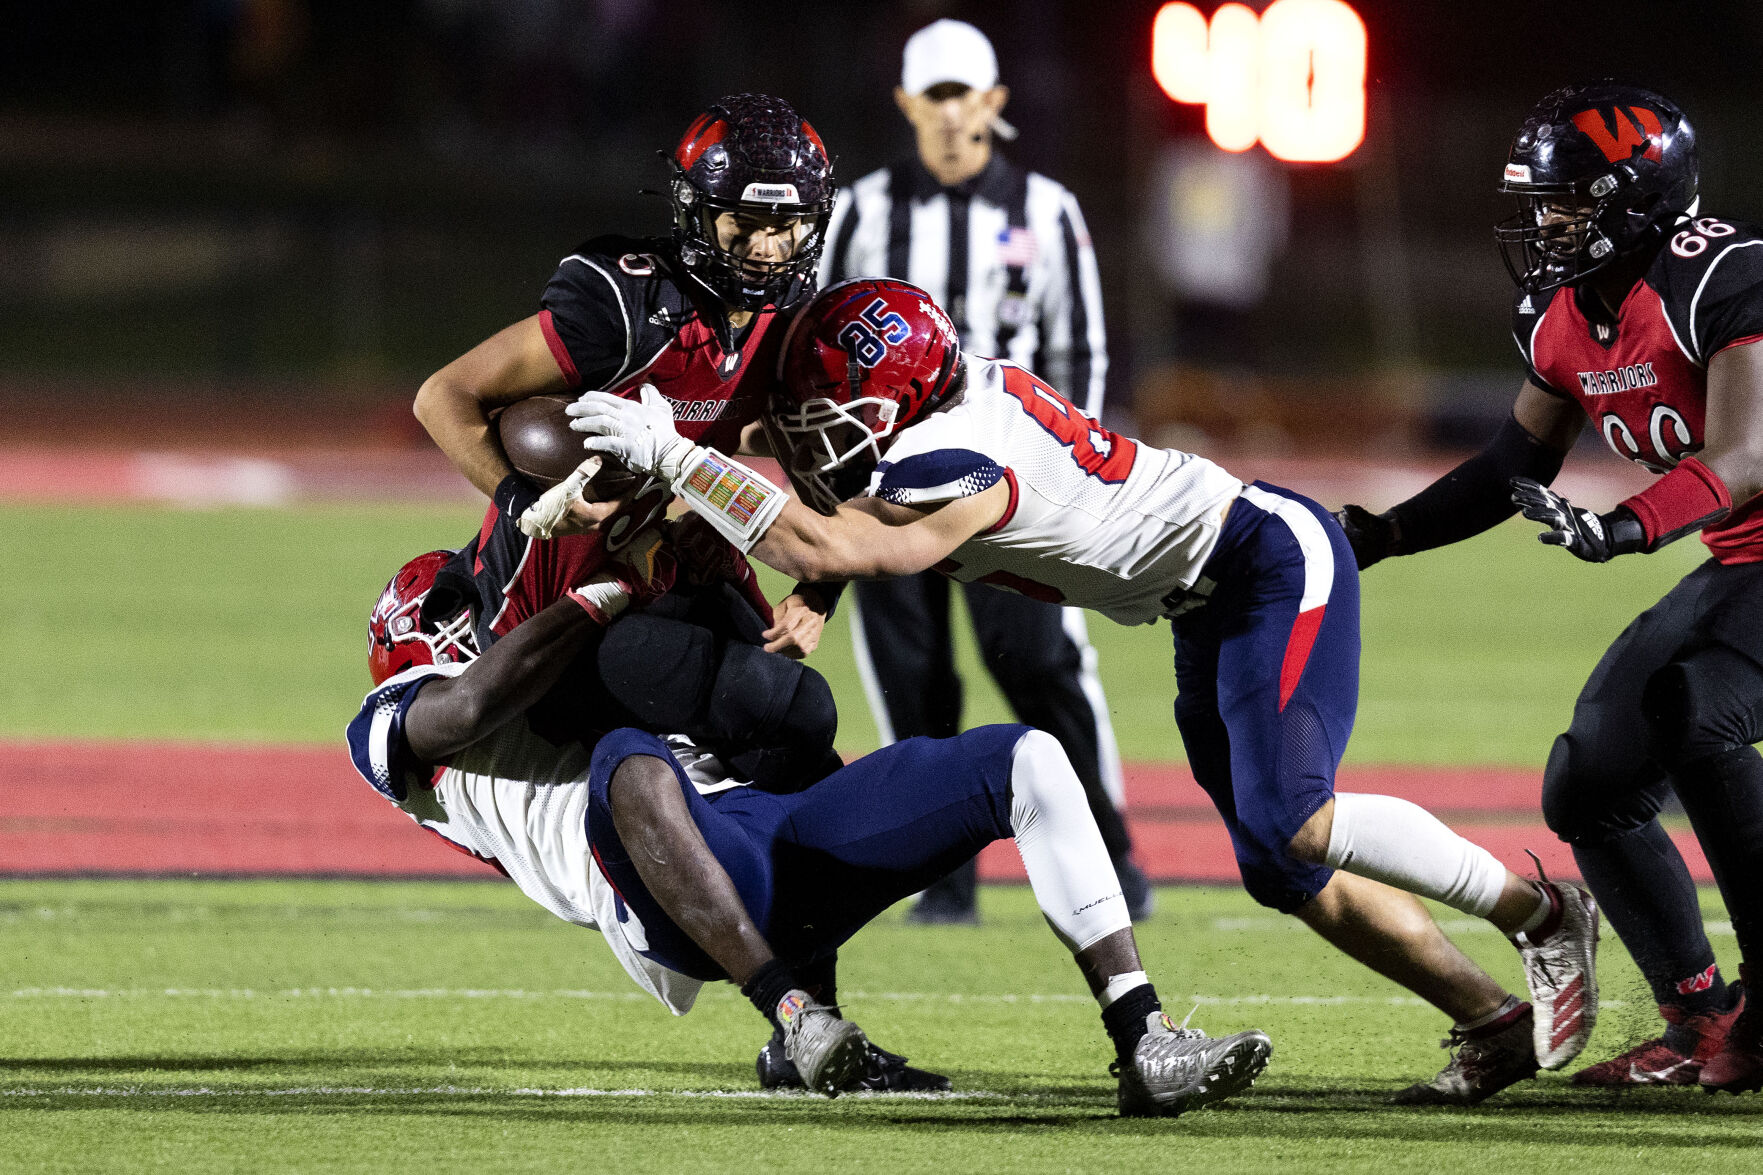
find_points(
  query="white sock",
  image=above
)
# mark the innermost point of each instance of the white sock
(1068, 867)
(1404, 845)
(1119, 985)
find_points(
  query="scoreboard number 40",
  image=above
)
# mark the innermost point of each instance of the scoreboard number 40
(1292, 79)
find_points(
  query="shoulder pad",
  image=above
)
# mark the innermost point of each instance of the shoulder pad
(941, 475)
(376, 734)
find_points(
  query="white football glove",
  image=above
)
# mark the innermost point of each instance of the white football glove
(540, 520)
(640, 432)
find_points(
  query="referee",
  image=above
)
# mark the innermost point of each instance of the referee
(1005, 252)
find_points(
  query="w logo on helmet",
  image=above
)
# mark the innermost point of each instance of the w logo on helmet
(1634, 125)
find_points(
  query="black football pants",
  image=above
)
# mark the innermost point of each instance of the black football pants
(1673, 705)
(1038, 667)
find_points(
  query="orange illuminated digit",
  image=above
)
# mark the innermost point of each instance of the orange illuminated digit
(1293, 78)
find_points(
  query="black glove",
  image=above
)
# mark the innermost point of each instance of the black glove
(1373, 536)
(1596, 538)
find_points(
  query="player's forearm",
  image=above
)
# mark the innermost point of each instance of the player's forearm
(1476, 495)
(459, 425)
(451, 714)
(812, 548)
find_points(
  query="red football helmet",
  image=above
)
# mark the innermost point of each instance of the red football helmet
(395, 637)
(863, 360)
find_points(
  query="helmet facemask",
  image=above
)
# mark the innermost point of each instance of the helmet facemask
(830, 449)
(744, 282)
(397, 639)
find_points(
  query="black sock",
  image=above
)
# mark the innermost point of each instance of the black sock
(820, 979)
(1723, 796)
(1125, 1019)
(768, 986)
(1646, 893)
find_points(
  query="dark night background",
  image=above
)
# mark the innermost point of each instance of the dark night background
(340, 196)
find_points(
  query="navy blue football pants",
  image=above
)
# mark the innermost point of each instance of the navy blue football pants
(814, 867)
(1267, 670)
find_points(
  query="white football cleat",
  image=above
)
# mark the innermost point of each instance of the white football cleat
(1560, 968)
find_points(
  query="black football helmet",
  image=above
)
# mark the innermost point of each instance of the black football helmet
(1600, 172)
(752, 154)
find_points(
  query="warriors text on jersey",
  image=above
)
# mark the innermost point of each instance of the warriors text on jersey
(1095, 519)
(1643, 380)
(519, 801)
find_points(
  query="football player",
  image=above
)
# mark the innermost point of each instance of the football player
(693, 877)
(975, 467)
(696, 315)
(1639, 312)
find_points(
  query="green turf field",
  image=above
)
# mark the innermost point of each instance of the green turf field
(335, 1026)
(250, 624)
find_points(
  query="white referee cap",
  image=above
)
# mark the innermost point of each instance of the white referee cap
(948, 51)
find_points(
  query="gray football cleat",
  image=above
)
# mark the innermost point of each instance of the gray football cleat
(1176, 1069)
(1483, 1063)
(828, 1052)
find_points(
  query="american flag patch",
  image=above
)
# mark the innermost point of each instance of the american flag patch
(1016, 246)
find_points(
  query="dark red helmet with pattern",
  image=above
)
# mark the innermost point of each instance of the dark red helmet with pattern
(861, 361)
(752, 156)
(397, 638)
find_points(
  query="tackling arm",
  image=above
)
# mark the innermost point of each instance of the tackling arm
(871, 539)
(452, 713)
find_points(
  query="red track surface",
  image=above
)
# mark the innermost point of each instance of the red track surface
(174, 808)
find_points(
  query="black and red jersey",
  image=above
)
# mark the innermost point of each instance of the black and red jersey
(1643, 378)
(621, 312)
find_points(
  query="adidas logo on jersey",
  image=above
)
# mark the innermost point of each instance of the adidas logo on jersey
(1621, 379)
(1525, 306)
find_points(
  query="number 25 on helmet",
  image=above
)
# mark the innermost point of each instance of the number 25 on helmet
(863, 360)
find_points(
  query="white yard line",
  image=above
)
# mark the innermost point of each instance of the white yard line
(121, 1091)
(849, 997)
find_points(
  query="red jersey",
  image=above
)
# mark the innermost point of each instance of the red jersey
(1643, 379)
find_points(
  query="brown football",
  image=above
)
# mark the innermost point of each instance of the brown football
(535, 434)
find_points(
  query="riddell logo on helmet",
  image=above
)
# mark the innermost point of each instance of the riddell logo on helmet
(1518, 173)
(1634, 125)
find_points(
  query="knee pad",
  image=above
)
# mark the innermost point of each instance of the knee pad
(660, 669)
(1565, 810)
(1698, 707)
(776, 718)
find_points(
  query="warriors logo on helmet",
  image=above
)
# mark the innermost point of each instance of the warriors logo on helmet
(1600, 173)
(753, 160)
(864, 359)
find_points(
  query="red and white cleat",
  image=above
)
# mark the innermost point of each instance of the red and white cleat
(1560, 967)
(1654, 1062)
(1738, 1066)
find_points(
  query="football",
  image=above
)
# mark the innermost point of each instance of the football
(535, 434)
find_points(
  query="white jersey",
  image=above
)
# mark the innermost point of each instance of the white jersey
(1095, 520)
(521, 802)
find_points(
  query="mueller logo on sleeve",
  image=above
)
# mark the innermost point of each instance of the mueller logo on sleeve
(1620, 379)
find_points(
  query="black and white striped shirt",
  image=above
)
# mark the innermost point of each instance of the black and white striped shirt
(1006, 253)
